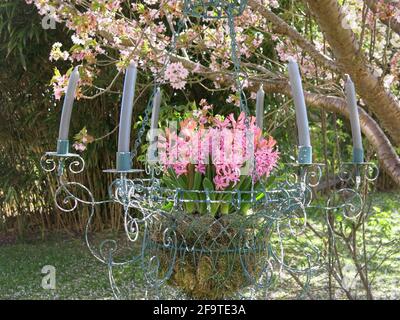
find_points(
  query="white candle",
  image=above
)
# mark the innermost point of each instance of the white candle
(260, 107)
(300, 104)
(353, 110)
(68, 103)
(125, 122)
(154, 124)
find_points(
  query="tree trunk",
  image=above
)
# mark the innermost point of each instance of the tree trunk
(386, 154)
(280, 26)
(352, 60)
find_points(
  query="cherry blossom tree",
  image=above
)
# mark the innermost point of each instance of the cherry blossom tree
(328, 38)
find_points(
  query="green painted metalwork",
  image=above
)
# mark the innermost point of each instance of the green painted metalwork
(305, 155)
(124, 161)
(358, 155)
(63, 146)
(209, 255)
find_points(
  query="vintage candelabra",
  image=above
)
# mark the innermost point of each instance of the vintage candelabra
(178, 255)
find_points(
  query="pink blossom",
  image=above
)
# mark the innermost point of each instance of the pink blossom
(58, 93)
(176, 74)
(79, 146)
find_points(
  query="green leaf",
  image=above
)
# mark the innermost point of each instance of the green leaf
(22, 57)
(168, 206)
(197, 181)
(207, 184)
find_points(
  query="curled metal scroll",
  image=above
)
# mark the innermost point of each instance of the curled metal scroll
(51, 161)
(350, 172)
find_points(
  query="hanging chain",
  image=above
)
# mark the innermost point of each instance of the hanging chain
(236, 63)
(224, 9)
(201, 8)
(159, 78)
(231, 12)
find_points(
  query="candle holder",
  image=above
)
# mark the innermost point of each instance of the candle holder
(305, 155)
(63, 147)
(354, 173)
(51, 161)
(124, 161)
(358, 155)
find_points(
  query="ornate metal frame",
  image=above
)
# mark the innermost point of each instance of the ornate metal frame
(254, 244)
(283, 210)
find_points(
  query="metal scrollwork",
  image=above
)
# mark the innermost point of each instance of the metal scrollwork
(48, 163)
(51, 161)
(355, 172)
(255, 246)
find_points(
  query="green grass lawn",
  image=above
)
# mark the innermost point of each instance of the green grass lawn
(80, 276)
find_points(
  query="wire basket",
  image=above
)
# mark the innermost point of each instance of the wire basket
(208, 255)
(214, 9)
(208, 258)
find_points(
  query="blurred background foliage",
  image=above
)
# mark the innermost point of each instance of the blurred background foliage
(29, 118)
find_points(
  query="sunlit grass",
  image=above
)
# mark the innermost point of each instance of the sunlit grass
(80, 276)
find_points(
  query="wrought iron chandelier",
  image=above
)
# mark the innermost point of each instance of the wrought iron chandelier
(203, 257)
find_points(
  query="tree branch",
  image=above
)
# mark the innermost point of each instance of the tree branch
(352, 60)
(381, 144)
(387, 155)
(281, 27)
(388, 21)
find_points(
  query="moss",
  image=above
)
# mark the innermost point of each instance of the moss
(211, 261)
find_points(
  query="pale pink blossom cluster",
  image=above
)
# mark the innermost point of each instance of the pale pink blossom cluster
(286, 50)
(176, 74)
(82, 140)
(46, 8)
(229, 147)
(79, 146)
(395, 63)
(57, 54)
(59, 83)
(144, 33)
